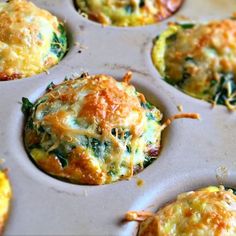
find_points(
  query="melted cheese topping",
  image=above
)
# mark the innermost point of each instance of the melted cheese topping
(93, 130)
(5, 197)
(27, 44)
(128, 12)
(200, 60)
(206, 212)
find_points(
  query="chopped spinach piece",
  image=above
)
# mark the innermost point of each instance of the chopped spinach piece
(227, 77)
(147, 161)
(205, 91)
(172, 37)
(129, 9)
(112, 172)
(35, 145)
(40, 36)
(66, 79)
(99, 148)
(185, 76)
(185, 72)
(190, 60)
(147, 105)
(96, 146)
(59, 42)
(41, 129)
(113, 131)
(169, 80)
(50, 87)
(61, 157)
(225, 89)
(142, 3)
(84, 75)
(155, 39)
(127, 134)
(213, 83)
(150, 116)
(128, 148)
(40, 101)
(84, 141)
(30, 124)
(186, 25)
(26, 106)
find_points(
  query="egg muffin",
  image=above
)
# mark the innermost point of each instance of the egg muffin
(92, 130)
(200, 60)
(5, 197)
(128, 12)
(206, 212)
(31, 40)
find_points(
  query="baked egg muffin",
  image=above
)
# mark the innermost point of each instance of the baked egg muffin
(31, 40)
(5, 197)
(206, 212)
(128, 12)
(200, 60)
(92, 130)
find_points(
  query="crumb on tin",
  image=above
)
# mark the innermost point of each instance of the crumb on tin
(180, 108)
(140, 182)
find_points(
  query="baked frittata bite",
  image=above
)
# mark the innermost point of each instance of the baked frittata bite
(128, 12)
(206, 212)
(31, 40)
(92, 130)
(5, 198)
(200, 60)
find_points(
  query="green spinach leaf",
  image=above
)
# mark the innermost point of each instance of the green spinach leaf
(186, 25)
(59, 42)
(225, 89)
(26, 106)
(147, 161)
(61, 157)
(100, 149)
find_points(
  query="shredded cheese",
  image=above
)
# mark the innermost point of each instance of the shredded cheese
(138, 215)
(180, 116)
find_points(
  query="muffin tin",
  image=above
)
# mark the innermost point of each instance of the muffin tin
(194, 153)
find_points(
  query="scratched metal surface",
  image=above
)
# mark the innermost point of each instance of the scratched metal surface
(193, 152)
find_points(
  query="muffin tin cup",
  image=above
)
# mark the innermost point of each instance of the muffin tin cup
(194, 153)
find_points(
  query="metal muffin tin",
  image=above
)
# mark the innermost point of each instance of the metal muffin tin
(194, 154)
